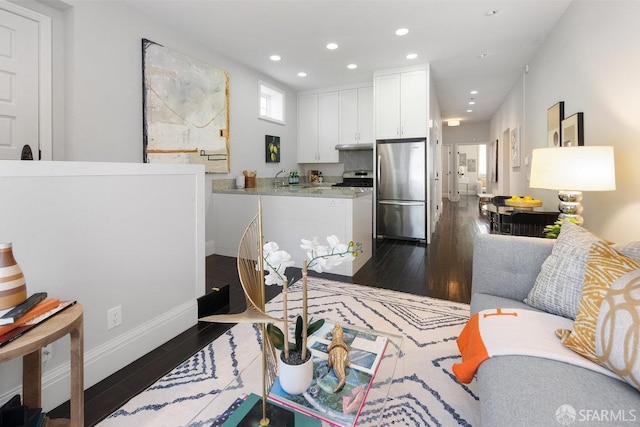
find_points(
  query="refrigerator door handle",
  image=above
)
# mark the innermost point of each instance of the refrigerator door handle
(399, 203)
(378, 174)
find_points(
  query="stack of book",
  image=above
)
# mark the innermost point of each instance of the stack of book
(15, 321)
(15, 414)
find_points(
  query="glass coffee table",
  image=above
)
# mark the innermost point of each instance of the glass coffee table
(249, 380)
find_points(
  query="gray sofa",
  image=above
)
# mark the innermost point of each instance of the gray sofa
(530, 391)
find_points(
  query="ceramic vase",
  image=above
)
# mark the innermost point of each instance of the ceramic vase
(13, 287)
(295, 379)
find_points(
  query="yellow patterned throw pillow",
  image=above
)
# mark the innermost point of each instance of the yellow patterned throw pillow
(604, 266)
(618, 329)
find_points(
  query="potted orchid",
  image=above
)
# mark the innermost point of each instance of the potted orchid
(295, 366)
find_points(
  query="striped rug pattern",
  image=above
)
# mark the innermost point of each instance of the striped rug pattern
(424, 390)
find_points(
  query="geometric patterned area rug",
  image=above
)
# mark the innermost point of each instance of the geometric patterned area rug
(424, 390)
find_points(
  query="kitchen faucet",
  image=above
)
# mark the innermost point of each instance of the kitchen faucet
(276, 180)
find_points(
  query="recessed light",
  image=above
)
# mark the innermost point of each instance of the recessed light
(491, 12)
(352, 66)
(482, 55)
(302, 74)
(332, 46)
(469, 111)
(474, 92)
(402, 32)
(275, 57)
(412, 56)
(453, 122)
(472, 102)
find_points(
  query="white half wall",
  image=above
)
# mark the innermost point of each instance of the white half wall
(106, 235)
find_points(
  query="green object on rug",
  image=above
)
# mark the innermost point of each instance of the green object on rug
(249, 414)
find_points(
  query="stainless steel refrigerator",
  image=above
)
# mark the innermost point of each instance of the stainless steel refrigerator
(401, 189)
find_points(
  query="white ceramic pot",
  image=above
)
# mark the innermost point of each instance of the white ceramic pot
(295, 379)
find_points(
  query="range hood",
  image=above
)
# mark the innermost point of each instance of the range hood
(353, 147)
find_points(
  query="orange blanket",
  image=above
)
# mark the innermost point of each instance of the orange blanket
(510, 331)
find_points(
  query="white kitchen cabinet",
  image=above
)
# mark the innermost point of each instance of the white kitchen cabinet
(401, 105)
(307, 128)
(328, 129)
(318, 117)
(356, 116)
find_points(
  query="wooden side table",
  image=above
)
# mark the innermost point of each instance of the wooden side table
(29, 346)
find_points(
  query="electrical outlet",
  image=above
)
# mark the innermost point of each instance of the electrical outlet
(114, 317)
(47, 354)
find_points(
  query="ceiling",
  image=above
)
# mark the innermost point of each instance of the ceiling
(468, 47)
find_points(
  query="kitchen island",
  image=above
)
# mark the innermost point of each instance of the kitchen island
(291, 213)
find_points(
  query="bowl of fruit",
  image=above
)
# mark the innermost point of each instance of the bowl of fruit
(526, 202)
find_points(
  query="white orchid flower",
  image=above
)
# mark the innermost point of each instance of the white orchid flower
(275, 264)
(323, 258)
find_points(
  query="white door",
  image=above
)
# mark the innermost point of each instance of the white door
(19, 85)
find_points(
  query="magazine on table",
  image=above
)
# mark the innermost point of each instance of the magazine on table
(366, 350)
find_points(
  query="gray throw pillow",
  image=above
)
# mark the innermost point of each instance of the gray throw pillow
(558, 286)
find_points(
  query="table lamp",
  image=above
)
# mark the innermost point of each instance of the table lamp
(572, 170)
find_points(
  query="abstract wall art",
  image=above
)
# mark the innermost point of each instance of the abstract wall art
(185, 110)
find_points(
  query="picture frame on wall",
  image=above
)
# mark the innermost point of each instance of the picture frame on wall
(555, 115)
(272, 149)
(515, 147)
(462, 159)
(471, 165)
(573, 131)
(493, 161)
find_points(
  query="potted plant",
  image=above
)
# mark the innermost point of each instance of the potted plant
(295, 365)
(553, 230)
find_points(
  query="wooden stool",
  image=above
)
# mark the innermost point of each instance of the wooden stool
(29, 346)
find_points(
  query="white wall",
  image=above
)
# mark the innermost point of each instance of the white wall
(510, 115)
(595, 72)
(106, 235)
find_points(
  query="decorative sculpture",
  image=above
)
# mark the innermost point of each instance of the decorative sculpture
(338, 356)
(250, 255)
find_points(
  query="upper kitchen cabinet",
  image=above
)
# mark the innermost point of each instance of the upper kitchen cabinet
(318, 127)
(356, 116)
(401, 101)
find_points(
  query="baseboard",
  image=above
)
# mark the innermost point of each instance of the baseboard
(115, 354)
(210, 247)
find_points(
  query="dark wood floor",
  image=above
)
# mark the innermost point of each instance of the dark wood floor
(441, 269)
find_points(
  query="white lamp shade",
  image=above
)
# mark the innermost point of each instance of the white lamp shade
(573, 168)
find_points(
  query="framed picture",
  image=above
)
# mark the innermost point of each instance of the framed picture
(555, 115)
(462, 159)
(515, 147)
(272, 149)
(185, 110)
(573, 131)
(471, 165)
(493, 161)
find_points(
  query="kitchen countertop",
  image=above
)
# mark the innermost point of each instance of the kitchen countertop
(323, 190)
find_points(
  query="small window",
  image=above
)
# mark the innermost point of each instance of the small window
(272, 103)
